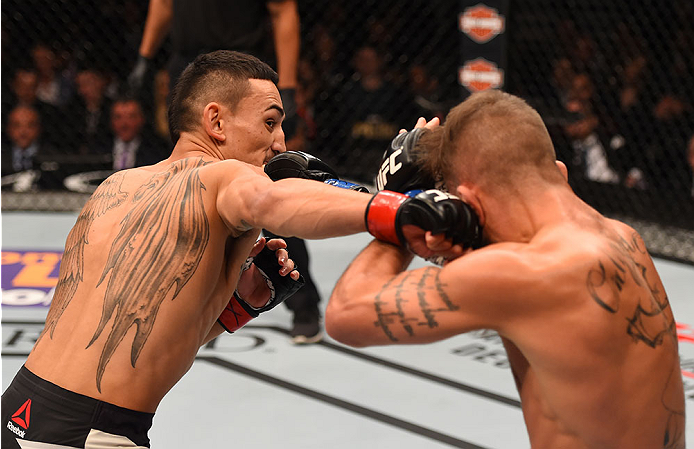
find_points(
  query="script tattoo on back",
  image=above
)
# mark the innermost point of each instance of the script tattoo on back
(652, 320)
(391, 311)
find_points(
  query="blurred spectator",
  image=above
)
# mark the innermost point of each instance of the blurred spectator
(563, 74)
(372, 111)
(670, 119)
(54, 87)
(23, 93)
(27, 162)
(595, 147)
(331, 72)
(89, 112)
(587, 57)
(132, 144)
(427, 97)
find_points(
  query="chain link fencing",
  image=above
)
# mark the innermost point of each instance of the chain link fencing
(612, 79)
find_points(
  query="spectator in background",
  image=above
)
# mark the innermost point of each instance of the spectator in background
(27, 162)
(670, 119)
(132, 145)
(597, 149)
(89, 111)
(563, 74)
(372, 110)
(24, 93)
(330, 71)
(53, 87)
(427, 97)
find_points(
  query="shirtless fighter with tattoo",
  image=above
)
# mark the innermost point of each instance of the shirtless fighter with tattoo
(158, 263)
(575, 296)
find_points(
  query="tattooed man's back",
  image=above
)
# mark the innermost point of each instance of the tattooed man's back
(575, 296)
(158, 255)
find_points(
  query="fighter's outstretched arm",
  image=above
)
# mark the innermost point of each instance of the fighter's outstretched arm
(289, 207)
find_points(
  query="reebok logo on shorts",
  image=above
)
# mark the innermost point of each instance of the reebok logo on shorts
(20, 417)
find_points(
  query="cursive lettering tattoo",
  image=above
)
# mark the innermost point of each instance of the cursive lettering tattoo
(619, 274)
(391, 302)
(651, 320)
(159, 246)
(107, 196)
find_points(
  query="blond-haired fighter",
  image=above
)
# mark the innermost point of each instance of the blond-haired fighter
(575, 296)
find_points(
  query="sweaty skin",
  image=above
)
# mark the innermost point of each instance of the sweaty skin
(157, 251)
(586, 323)
(575, 297)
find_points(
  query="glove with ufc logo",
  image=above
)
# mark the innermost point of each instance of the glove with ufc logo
(398, 171)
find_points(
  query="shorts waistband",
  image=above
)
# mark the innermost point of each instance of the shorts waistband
(103, 415)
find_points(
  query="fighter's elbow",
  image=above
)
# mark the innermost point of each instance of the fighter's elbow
(340, 327)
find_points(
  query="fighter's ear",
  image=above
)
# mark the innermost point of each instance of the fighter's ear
(213, 122)
(562, 168)
(467, 195)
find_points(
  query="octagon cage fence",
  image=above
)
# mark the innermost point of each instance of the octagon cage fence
(613, 80)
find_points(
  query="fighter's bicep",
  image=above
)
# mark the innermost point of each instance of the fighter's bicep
(239, 196)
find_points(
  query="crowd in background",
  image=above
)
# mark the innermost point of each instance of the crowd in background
(616, 96)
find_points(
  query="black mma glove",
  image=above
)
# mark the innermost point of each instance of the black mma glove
(297, 164)
(238, 312)
(137, 75)
(398, 172)
(431, 210)
(291, 116)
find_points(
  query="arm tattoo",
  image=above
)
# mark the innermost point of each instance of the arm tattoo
(394, 311)
(651, 321)
(107, 196)
(161, 241)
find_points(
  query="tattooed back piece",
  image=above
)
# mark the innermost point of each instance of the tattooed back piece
(156, 263)
(585, 320)
(136, 245)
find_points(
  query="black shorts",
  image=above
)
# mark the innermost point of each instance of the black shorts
(35, 410)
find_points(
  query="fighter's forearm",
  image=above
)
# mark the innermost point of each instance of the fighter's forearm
(355, 298)
(307, 209)
(157, 26)
(215, 332)
(286, 27)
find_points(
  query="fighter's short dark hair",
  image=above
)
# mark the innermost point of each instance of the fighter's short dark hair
(220, 76)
